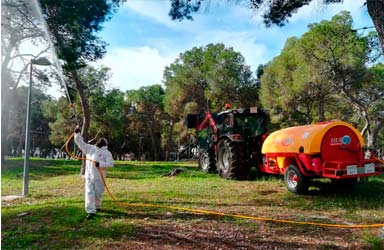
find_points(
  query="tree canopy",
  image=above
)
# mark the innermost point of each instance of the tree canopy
(209, 76)
(205, 78)
(73, 27)
(147, 115)
(328, 68)
(278, 12)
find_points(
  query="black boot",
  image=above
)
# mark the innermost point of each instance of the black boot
(90, 216)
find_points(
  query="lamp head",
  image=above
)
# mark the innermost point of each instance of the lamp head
(41, 61)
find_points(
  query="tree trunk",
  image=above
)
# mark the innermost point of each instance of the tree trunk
(4, 116)
(153, 140)
(376, 11)
(375, 130)
(6, 97)
(21, 143)
(169, 140)
(84, 104)
(367, 129)
(370, 139)
(321, 109)
(85, 109)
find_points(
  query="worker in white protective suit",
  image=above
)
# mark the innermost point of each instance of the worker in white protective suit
(94, 186)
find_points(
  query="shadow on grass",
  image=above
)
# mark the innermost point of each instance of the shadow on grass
(325, 196)
(40, 169)
(369, 195)
(258, 202)
(372, 188)
(63, 227)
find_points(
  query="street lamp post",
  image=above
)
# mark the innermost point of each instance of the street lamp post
(44, 62)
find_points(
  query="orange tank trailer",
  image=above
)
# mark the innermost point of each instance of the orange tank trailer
(331, 149)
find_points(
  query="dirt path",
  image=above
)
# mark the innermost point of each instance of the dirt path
(227, 236)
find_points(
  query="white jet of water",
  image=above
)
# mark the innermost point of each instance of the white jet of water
(55, 59)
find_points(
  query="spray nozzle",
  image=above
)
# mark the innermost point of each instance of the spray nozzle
(73, 112)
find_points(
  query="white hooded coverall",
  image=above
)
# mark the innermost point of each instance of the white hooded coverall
(94, 186)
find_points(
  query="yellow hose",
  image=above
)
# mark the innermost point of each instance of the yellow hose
(210, 212)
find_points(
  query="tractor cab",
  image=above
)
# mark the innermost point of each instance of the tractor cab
(246, 123)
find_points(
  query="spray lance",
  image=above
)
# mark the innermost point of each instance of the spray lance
(78, 121)
(69, 92)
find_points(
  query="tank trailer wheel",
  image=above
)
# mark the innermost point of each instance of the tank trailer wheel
(207, 162)
(295, 180)
(231, 162)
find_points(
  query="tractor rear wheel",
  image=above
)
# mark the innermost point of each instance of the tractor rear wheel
(296, 182)
(207, 161)
(231, 162)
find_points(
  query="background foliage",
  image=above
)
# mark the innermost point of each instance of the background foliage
(330, 72)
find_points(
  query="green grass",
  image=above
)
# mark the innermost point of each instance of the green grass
(55, 204)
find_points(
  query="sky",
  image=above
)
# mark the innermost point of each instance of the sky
(143, 39)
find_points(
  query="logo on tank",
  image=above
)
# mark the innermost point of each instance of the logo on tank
(345, 140)
(305, 135)
(287, 141)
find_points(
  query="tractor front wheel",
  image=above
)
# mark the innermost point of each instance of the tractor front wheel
(207, 162)
(231, 162)
(295, 180)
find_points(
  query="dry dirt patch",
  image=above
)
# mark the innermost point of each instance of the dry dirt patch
(209, 234)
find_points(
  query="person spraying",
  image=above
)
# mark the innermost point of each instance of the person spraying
(99, 157)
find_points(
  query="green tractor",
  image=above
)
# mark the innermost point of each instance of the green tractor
(230, 142)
